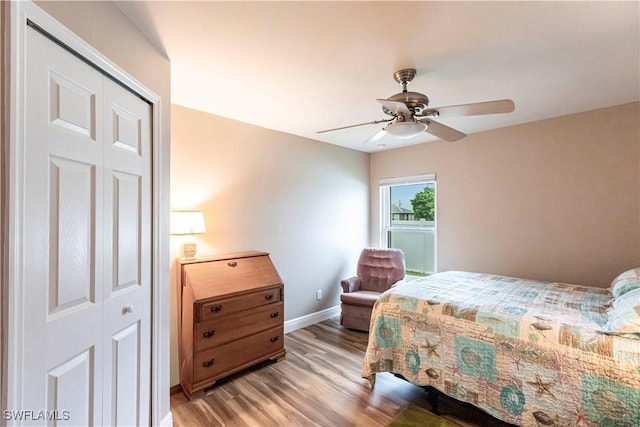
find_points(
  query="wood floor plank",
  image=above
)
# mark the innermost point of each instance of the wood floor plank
(318, 384)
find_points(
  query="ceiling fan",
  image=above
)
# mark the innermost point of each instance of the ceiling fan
(411, 115)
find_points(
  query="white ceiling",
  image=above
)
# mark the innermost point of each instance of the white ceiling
(301, 67)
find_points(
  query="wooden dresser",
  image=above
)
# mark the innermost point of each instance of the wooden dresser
(231, 317)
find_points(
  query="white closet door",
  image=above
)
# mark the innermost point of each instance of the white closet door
(127, 273)
(86, 237)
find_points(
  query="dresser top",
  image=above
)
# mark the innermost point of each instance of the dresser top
(222, 257)
(225, 275)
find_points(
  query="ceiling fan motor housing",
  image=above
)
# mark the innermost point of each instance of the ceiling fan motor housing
(416, 102)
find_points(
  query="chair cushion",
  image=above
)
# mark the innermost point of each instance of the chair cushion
(378, 269)
(361, 298)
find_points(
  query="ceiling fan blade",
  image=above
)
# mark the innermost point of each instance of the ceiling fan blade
(479, 108)
(443, 131)
(353, 126)
(396, 108)
(382, 132)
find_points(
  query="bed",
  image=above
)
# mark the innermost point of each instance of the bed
(528, 353)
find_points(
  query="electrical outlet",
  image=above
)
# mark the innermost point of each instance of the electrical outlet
(319, 294)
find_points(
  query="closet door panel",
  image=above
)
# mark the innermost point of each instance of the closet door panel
(124, 398)
(72, 235)
(62, 242)
(127, 273)
(70, 390)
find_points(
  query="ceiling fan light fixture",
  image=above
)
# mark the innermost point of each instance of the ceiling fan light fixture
(405, 130)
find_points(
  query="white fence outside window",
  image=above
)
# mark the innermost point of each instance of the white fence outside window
(418, 246)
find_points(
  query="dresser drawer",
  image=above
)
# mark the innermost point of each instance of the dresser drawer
(224, 306)
(237, 325)
(220, 360)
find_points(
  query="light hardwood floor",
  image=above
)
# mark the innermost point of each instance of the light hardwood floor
(318, 384)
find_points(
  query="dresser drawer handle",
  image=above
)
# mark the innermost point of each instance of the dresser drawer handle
(209, 334)
(232, 264)
(216, 308)
(274, 339)
(275, 314)
(268, 297)
(208, 363)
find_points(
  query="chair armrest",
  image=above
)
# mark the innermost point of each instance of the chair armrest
(351, 284)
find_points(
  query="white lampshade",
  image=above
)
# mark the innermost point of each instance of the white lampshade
(404, 130)
(187, 222)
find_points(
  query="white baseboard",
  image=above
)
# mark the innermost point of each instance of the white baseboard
(310, 319)
(167, 421)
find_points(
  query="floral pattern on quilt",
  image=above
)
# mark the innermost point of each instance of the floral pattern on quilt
(527, 352)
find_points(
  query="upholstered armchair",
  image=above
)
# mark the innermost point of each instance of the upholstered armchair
(377, 271)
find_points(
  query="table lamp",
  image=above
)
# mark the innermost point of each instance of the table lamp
(187, 223)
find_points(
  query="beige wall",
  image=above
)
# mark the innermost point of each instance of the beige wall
(104, 26)
(554, 200)
(303, 201)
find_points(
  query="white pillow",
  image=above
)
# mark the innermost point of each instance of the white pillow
(624, 314)
(625, 282)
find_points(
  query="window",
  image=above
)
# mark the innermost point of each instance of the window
(408, 220)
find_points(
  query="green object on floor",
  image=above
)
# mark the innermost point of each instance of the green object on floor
(414, 415)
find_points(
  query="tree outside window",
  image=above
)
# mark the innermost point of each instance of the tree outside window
(424, 204)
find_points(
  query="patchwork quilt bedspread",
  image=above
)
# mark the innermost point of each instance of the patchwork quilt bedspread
(527, 352)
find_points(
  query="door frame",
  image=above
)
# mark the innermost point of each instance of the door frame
(14, 262)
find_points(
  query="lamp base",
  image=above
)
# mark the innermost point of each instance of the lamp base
(188, 250)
